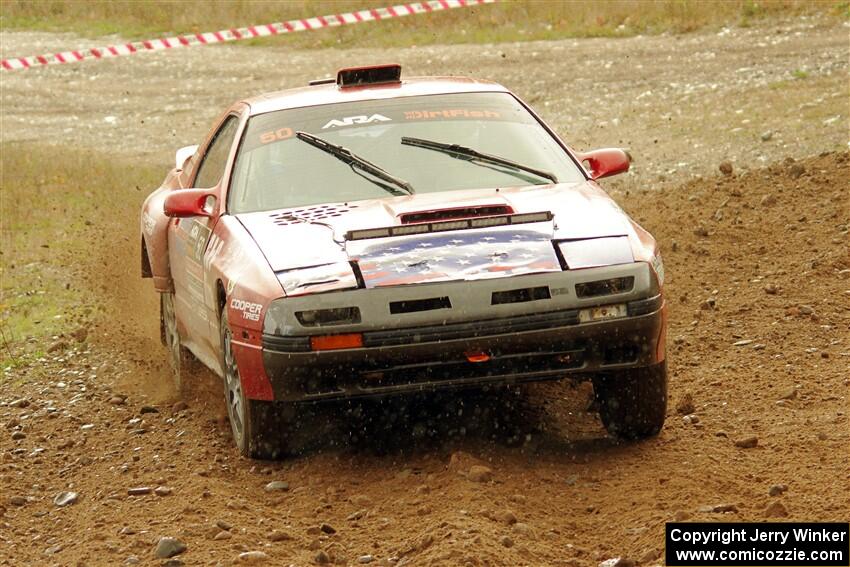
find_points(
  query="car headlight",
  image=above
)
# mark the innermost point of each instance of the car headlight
(658, 266)
(605, 287)
(329, 317)
(594, 252)
(316, 279)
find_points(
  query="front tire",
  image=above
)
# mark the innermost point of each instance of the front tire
(633, 402)
(259, 427)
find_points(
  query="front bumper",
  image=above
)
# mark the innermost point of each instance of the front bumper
(522, 348)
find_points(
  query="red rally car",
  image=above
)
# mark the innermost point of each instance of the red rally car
(371, 236)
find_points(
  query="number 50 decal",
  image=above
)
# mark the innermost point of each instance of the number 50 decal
(275, 135)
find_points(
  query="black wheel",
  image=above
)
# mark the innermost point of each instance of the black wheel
(633, 403)
(259, 427)
(179, 357)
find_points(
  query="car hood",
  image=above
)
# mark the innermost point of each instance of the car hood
(315, 236)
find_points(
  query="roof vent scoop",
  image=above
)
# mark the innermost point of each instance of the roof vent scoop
(375, 75)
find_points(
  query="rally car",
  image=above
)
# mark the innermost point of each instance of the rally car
(373, 236)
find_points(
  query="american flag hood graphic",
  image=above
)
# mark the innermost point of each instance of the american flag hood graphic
(470, 254)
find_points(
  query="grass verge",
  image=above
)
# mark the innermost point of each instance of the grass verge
(508, 20)
(55, 203)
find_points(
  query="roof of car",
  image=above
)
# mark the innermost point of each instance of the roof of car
(332, 93)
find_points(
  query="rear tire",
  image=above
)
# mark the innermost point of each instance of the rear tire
(179, 358)
(633, 402)
(259, 427)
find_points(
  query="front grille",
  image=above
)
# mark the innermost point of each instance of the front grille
(520, 295)
(418, 305)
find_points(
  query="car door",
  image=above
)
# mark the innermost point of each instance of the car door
(188, 240)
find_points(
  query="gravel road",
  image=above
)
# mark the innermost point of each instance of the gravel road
(681, 104)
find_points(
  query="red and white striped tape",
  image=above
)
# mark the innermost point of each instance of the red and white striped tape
(235, 34)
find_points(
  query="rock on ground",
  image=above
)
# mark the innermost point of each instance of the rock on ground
(169, 547)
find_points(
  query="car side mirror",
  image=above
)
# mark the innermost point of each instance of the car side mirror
(606, 162)
(182, 155)
(182, 203)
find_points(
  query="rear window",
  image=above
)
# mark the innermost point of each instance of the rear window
(274, 169)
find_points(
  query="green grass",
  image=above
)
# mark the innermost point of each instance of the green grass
(508, 20)
(55, 204)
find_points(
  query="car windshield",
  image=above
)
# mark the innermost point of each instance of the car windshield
(275, 169)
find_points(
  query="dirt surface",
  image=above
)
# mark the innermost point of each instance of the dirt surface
(758, 282)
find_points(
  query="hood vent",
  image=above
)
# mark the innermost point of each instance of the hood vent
(455, 214)
(310, 214)
(442, 226)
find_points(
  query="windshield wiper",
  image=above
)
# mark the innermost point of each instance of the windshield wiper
(353, 160)
(463, 152)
